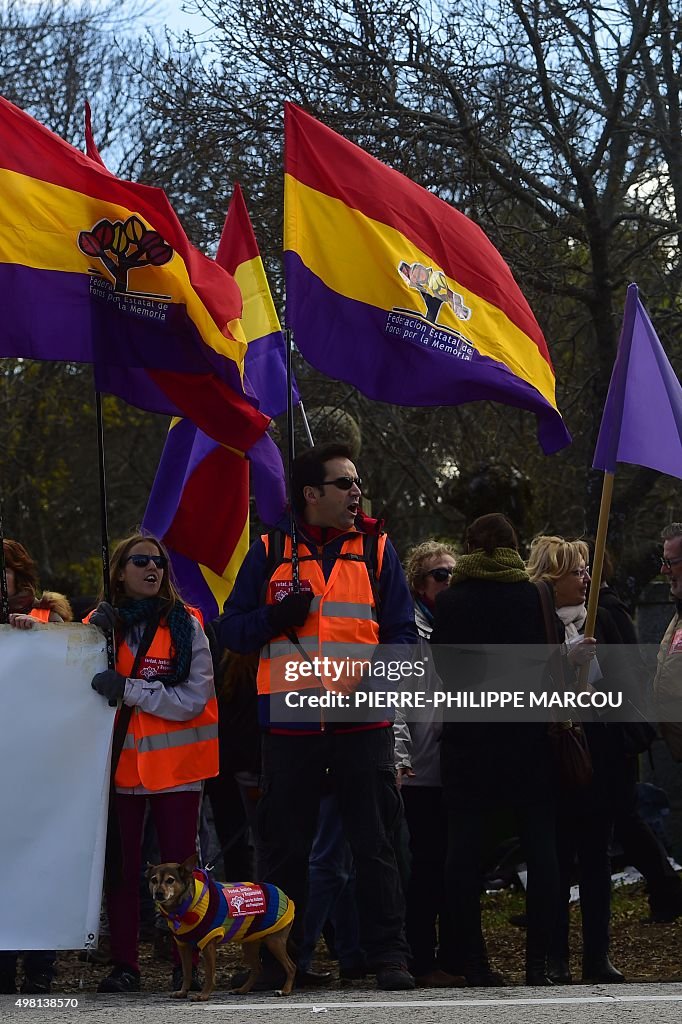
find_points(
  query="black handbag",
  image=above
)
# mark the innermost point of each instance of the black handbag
(572, 757)
(637, 737)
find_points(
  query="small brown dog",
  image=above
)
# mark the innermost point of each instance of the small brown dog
(202, 914)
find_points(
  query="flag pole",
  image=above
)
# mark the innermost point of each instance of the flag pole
(296, 584)
(106, 575)
(306, 424)
(4, 591)
(597, 562)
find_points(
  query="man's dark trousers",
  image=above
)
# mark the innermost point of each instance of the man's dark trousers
(358, 767)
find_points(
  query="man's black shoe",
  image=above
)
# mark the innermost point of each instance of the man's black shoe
(601, 972)
(38, 984)
(484, 979)
(558, 970)
(664, 915)
(438, 978)
(394, 978)
(537, 977)
(176, 982)
(312, 979)
(121, 979)
(8, 983)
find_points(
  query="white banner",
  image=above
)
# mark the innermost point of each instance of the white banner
(55, 745)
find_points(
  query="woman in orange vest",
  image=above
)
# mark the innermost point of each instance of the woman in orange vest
(26, 608)
(164, 679)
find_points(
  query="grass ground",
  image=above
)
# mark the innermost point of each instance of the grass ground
(644, 952)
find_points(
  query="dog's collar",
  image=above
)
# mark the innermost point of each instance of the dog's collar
(175, 918)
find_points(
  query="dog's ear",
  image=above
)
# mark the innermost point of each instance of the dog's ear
(150, 870)
(188, 866)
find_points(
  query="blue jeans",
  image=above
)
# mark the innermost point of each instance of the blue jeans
(331, 891)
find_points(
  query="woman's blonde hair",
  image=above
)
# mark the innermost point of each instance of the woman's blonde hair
(552, 557)
(419, 555)
(167, 592)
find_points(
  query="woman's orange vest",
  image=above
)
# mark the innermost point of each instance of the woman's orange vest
(157, 753)
(342, 620)
(41, 614)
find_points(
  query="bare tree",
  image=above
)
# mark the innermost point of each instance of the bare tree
(554, 125)
(55, 54)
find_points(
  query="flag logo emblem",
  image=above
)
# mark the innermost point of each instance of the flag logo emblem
(424, 329)
(123, 247)
(433, 287)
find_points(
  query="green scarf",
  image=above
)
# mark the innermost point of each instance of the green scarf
(505, 565)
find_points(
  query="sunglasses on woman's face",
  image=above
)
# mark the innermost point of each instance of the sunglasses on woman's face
(441, 574)
(142, 561)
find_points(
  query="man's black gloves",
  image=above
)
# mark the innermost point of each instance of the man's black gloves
(291, 612)
(104, 616)
(110, 684)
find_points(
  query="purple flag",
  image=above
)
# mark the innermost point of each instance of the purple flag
(642, 420)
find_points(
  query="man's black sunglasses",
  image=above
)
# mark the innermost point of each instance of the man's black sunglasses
(441, 574)
(142, 561)
(344, 483)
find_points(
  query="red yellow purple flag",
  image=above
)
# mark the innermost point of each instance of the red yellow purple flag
(394, 291)
(199, 503)
(265, 361)
(98, 270)
(199, 507)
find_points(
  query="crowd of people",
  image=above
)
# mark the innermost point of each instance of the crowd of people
(374, 825)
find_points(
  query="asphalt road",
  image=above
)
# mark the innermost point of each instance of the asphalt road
(579, 1004)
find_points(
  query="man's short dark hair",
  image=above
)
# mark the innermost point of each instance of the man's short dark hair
(308, 469)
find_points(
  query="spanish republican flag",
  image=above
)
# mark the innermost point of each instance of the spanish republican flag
(199, 507)
(199, 503)
(98, 270)
(265, 362)
(392, 290)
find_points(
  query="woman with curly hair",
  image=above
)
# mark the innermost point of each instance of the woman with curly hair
(167, 730)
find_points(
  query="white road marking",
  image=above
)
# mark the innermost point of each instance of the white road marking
(469, 1003)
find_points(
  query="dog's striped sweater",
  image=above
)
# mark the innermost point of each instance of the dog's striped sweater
(209, 911)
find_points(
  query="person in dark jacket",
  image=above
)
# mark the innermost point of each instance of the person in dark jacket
(428, 567)
(641, 846)
(488, 765)
(585, 816)
(352, 595)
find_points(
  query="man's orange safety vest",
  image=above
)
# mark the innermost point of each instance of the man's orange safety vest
(342, 620)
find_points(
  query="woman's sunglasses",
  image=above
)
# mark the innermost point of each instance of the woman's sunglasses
(441, 574)
(142, 561)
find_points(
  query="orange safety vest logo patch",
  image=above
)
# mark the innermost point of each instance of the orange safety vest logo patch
(342, 624)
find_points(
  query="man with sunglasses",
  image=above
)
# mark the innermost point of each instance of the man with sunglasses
(668, 679)
(352, 593)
